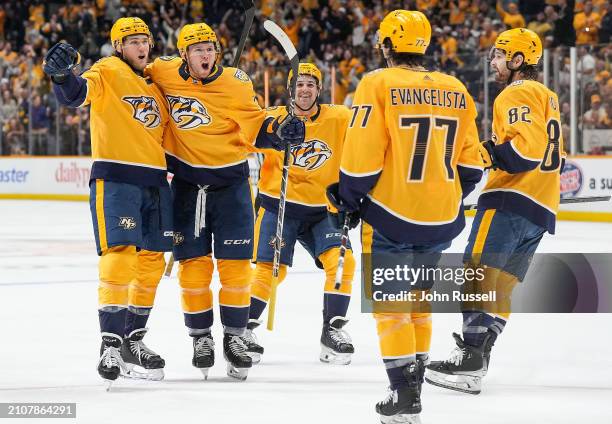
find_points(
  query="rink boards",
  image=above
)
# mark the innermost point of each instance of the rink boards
(67, 177)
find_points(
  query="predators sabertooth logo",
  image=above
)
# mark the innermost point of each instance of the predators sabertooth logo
(187, 112)
(311, 154)
(145, 110)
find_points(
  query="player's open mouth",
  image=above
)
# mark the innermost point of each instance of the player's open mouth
(205, 66)
(141, 57)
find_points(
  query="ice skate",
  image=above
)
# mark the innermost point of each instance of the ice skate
(254, 350)
(203, 353)
(140, 361)
(336, 346)
(238, 362)
(403, 405)
(110, 364)
(463, 370)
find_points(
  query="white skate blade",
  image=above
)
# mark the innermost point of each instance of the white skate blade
(330, 356)
(461, 383)
(237, 373)
(140, 373)
(204, 372)
(400, 419)
(255, 357)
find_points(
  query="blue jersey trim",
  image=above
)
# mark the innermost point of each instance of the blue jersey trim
(405, 232)
(208, 176)
(294, 210)
(131, 174)
(520, 205)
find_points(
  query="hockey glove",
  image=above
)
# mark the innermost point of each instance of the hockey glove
(338, 211)
(277, 132)
(59, 62)
(487, 151)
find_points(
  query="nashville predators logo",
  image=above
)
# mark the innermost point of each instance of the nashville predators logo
(177, 238)
(145, 110)
(311, 154)
(127, 222)
(187, 112)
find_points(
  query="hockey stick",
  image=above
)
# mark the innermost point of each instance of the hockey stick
(343, 243)
(290, 51)
(249, 10)
(562, 201)
(169, 265)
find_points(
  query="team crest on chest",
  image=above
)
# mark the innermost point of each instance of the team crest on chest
(311, 154)
(187, 112)
(145, 110)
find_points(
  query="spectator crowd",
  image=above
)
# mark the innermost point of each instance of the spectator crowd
(338, 35)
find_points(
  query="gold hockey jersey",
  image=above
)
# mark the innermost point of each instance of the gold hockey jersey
(314, 164)
(128, 117)
(411, 154)
(213, 121)
(529, 151)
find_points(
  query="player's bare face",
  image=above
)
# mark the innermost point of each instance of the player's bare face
(307, 91)
(498, 65)
(135, 51)
(201, 59)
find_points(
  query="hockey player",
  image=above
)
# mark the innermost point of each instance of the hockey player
(214, 119)
(410, 156)
(129, 193)
(314, 165)
(517, 206)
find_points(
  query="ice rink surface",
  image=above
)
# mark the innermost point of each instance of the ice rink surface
(545, 368)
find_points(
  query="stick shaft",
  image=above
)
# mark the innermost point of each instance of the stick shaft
(343, 246)
(278, 241)
(248, 23)
(563, 201)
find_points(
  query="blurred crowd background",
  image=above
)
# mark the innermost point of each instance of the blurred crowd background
(338, 35)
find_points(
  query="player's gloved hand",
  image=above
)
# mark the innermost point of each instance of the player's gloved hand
(289, 130)
(276, 133)
(59, 61)
(338, 210)
(487, 152)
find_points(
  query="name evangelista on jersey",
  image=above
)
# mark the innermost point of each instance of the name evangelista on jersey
(528, 139)
(314, 164)
(213, 122)
(128, 118)
(411, 153)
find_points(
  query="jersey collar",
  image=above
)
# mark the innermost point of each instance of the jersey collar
(216, 73)
(315, 115)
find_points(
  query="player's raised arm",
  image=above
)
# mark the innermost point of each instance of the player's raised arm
(70, 89)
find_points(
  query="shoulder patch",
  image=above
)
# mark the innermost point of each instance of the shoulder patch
(242, 76)
(272, 108)
(167, 58)
(553, 103)
(515, 83)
